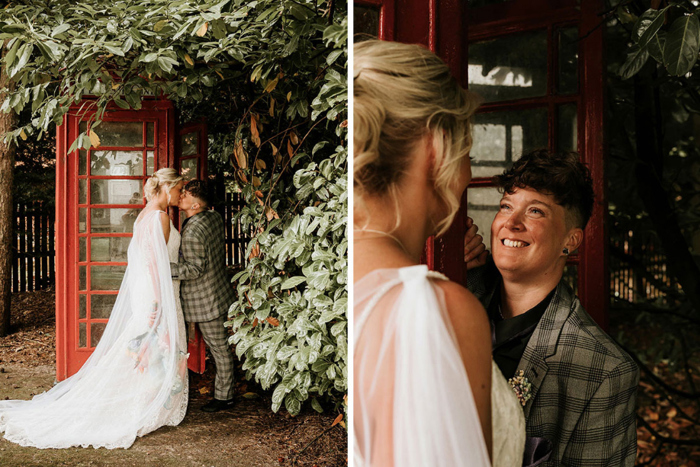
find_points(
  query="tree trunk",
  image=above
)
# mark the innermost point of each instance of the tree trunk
(8, 122)
(651, 191)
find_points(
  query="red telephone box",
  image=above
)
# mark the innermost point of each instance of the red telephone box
(539, 66)
(99, 193)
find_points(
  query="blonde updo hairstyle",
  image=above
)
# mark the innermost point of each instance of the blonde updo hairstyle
(403, 92)
(165, 178)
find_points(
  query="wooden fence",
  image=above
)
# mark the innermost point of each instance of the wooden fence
(237, 237)
(638, 270)
(33, 248)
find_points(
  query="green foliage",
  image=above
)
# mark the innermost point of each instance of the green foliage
(670, 35)
(270, 76)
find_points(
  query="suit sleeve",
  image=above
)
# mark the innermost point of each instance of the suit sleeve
(606, 433)
(193, 259)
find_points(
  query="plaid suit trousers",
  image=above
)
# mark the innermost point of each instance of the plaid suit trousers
(216, 338)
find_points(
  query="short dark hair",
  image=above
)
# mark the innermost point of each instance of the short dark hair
(561, 175)
(200, 190)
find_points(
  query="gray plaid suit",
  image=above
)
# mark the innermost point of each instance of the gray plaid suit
(206, 291)
(583, 384)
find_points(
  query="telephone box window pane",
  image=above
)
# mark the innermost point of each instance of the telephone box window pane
(121, 134)
(82, 191)
(116, 163)
(106, 277)
(83, 249)
(113, 220)
(101, 306)
(568, 60)
(116, 192)
(567, 137)
(83, 127)
(188, 168)
(82, 220)
(82, 278)
(82, 309)
(96, 331)
(82, 335)
(82, 162)
(482, 206)
(366, 22)
(109, 249)
(511, 67)
(149, 134)
(151, 162)
(500, 138)
(190, 144)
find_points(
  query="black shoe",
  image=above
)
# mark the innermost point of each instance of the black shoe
(215, 405)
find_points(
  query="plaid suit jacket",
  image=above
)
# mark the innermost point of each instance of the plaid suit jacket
(205, 289)
(583, 384)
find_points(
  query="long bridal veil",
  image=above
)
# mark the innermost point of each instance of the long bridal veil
(133, 382)
(411, 390)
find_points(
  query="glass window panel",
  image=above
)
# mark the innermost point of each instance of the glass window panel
(116, 192)
(366, 22)
(82, 277)
(113, 220)
(83, 127)
(109, 249)
(101, 306)
(150, 140)
(106, 277)
(567, 128)
(82, 162)
(116, 163)
(571, 276)
(82, 191)
(151, 162)
(83, 249)
(188, 168)
(568, 60)
(82, 219)
(82, 339)
(500, 138)
(190, 144)
(96, 331)
(129, 134)
(511, 67)
(82, 308)
(482, 206)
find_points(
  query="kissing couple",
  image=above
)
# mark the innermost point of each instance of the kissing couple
(136, 379)
(513, 371)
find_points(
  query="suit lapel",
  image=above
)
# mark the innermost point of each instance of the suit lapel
(543, 343)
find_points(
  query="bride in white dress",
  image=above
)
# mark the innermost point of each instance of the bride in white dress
(426, 391)
(136, 379)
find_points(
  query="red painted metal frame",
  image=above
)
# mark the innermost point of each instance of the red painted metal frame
(69, 357)
(447, 27)
(195, 347)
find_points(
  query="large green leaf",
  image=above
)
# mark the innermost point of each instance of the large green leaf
(648, 25)
(682, 45)
(636, 59)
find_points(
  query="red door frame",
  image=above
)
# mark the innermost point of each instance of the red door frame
(69, 356)
(447, 27)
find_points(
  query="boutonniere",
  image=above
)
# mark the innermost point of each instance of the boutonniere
(522, 387)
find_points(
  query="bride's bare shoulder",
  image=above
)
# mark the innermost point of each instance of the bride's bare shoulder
(466, 313)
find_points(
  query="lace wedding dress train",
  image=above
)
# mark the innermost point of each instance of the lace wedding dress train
(136, 379)
(411, 390)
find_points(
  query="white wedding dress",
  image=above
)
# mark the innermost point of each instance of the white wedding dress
(136, 379)
(410, 385)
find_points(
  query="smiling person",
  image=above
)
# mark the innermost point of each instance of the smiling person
(582, 384)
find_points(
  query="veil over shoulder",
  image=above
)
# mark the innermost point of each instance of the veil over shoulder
(133, 382)
(411, 388)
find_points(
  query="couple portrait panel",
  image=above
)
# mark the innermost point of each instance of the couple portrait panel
(136, 379)
(508, 369)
